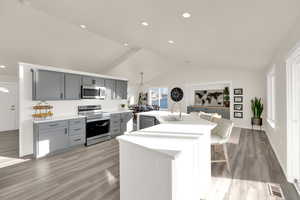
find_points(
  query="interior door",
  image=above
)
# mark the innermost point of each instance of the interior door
(8, 106)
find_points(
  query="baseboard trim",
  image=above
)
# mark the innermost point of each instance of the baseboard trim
(277, 157)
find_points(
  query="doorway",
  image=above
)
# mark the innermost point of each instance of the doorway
(8, 106)
(293, 117)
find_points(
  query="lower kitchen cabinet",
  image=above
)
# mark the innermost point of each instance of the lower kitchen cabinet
(51, 137)
(118, 123)
(147, 121)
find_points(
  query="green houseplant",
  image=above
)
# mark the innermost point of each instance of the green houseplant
(257, 108)
(226, 97)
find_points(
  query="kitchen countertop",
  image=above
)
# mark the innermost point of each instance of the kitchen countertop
(190, 122)
(58, 118)
(168, 146)
(117, 111)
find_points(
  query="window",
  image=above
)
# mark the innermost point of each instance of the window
(159, 97)
(271, 97)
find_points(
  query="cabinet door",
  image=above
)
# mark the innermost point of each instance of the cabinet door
(72, 86)
(124, 89)
(99, 82)
(52, 140)
(48, 85)
(147, 121)
(88, 80)
(110, 88)
(125, 118)
(119, 89)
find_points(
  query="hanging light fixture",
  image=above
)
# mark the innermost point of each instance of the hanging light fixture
(142, 97)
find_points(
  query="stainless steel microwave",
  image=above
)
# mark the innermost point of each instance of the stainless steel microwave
(92, 92)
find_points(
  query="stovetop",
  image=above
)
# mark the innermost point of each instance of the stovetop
(92, 111)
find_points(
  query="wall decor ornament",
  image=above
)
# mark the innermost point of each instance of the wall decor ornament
(238, 91)
(238, 107)
(209, 97)
(238, 99)
(238, 114)
(176, 94)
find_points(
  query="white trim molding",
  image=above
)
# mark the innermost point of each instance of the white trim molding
(293, 117)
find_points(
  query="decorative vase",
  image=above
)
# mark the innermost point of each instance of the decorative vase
(256, 121)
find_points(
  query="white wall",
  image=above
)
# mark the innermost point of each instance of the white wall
(60, 107)
(5, 78)
(251, 81)
(278, 135)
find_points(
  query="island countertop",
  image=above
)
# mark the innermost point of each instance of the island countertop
(188, 123)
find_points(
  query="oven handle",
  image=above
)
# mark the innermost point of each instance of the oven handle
(95, 120)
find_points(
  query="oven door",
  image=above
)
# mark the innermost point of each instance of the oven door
(90, 92)
(97, 128)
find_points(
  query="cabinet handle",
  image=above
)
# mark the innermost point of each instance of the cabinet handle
(78, 129)
(52, 125)
(66, 131)
(76, 140)
(61, 95)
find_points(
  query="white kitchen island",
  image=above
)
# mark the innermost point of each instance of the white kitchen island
(169, 161)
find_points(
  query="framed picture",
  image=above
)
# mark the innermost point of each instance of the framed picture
(238, 114)
(238, 107)
(238, 91)
(238, 99)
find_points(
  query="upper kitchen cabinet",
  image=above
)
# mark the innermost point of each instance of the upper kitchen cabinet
(110, 86)
(47, 85)
(72, 87)
(97, 81)
(121, 89)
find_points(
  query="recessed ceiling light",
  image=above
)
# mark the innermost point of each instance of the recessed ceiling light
(186, 15)
(82, 26)
(2, 66)
(171, 42)
(144, 23)
(126, 44)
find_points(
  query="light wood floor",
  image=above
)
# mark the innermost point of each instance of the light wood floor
(92, 173)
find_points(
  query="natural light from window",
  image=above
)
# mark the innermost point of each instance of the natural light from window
(159, 97)
(271, 97)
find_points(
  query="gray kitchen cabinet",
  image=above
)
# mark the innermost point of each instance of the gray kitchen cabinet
(125, 118)
(72, 87)
(124, 89)
(89, 80)
(115, 124)
(55, 136)
(47, 85)
(147, 121)
(99, 82)
(110, 86)
(50, 137)
(77, 131)
(121, 89)
(118, 123)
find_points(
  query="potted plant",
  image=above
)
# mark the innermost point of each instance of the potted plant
(257, 108)
(226, 97)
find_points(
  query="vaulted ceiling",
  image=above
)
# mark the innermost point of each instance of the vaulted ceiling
(219, 34)
(231, 33)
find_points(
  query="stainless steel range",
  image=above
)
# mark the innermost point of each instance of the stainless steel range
(97, 124)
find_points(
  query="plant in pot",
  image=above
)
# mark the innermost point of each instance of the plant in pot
(257, 108)
(226, 97)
